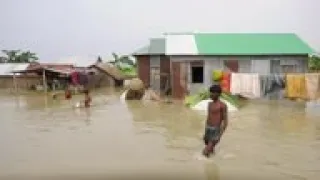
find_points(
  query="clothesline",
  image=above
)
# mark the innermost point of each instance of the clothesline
(296, 85)
(264, 74)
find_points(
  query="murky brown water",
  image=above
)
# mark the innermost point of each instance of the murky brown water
(45, 138)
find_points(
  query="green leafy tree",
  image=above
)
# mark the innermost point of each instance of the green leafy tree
(314, 62)
(10, 55)
(2, 59)
(18, 56)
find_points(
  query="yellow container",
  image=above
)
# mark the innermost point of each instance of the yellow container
(217, 75)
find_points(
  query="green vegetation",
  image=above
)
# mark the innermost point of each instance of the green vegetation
(18, 56)
(191, 101)
(125, 64)
(129, 71)
(314, 63)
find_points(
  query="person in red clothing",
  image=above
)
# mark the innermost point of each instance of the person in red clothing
(87, 99)
(67, 93)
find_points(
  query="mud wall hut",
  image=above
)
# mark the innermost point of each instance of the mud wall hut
(105, 75)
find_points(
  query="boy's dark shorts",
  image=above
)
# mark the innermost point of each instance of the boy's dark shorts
(212, 134)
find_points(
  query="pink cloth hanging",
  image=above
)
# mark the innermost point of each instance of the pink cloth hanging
(75, 78)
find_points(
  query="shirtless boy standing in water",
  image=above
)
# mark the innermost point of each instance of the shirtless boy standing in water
(217, 121)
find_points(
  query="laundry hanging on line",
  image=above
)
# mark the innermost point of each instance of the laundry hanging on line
(245, 84)
(296, 86)
(75, 78)
(271, 83)
(312, 85)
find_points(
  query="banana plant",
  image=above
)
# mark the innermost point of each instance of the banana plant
(120, 60)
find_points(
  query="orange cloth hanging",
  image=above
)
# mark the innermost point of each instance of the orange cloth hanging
(225, 82)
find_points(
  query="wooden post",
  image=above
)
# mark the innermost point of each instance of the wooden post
(15, 82)
(54, 86)
(44, 80)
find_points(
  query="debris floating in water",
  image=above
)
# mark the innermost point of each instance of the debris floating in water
(203, 105)
(200, 157)
(229, 156)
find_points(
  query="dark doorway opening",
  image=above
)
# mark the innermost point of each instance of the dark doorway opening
(197, 74)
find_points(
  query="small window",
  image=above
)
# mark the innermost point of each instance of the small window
(197, 74)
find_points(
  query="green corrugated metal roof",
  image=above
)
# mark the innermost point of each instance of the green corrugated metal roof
(249, 44)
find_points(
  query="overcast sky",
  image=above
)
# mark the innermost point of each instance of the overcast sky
(62, 28)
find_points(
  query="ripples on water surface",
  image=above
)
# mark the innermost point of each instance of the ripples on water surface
(43, 138)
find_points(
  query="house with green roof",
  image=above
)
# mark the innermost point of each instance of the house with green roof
(183, 62)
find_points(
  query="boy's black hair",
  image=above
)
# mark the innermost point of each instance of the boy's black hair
(215, 89)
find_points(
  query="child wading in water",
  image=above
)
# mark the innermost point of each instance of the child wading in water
(87, 99)
(67, 93)
(217, 121)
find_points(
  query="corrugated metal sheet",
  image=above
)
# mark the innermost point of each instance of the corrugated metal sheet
(181, 45)
(155, 61)
(155, 72)
(275, 66)
(20, 67)
(227, 44)
(78, 61)
(142, 51)
(245, 66)
(157, 46)
(250, 44)
(7, 68)
(261, 66)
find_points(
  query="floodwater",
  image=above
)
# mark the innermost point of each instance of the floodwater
(41, 138)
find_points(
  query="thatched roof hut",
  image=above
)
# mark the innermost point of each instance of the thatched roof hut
(111, 70)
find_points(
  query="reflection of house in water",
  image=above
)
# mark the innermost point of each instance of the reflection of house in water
(185, 61)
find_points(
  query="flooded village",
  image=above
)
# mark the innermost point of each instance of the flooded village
(148, 110)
